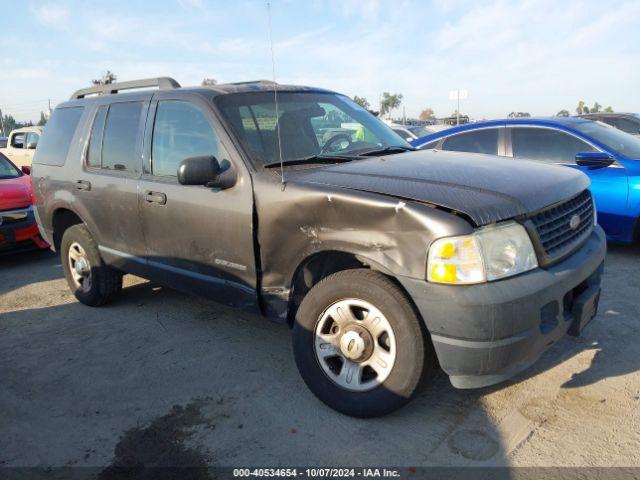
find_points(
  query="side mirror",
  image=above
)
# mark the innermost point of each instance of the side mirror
(594, 159)
(206, 170)
(31, 145)
(26, 169)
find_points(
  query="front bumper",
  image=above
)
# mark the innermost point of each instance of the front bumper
(484, 334)
(18, 231)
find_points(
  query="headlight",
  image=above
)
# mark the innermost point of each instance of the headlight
(488, 254)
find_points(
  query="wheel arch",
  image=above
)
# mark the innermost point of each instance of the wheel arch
(61, 219)
(319, 265)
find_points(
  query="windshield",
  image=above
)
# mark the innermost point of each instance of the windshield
(309, 124)
(7, 170)
(625, 145)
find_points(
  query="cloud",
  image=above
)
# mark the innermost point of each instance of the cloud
(197, 4)
(301, 38)
(50, 15)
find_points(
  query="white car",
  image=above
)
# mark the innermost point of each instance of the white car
(21, 145)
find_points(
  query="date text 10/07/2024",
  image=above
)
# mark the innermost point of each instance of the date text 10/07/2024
(317, 472)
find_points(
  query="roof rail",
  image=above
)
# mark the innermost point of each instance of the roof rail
(163, 83)
(249, 82)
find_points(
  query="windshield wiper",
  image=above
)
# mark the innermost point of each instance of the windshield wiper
(319, 158)
(387, 150)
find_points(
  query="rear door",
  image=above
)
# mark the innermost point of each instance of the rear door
(106, 190)
(197, 238)
(609, 185)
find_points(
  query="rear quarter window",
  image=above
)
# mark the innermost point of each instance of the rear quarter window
(53, 147)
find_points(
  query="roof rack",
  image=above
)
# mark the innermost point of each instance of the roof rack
(163, 83)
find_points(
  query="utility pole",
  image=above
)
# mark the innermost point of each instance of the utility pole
(458, 95)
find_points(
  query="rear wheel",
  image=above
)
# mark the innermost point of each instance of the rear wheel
(359, 345)
(91, 281)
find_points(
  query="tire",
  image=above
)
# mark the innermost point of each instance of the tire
(104, 283)
(412, 350)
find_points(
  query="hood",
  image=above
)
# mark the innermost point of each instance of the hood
(484, 187)
(15, 192)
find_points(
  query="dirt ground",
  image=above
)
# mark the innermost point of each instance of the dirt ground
(164, 378)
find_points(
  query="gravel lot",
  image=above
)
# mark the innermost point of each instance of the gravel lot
(162, 375)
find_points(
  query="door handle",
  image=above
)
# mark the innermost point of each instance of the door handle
(155, 197)
(83, 185)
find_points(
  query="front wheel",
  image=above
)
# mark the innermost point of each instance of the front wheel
(359, 344)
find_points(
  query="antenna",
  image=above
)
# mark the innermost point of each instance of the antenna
(275, 93)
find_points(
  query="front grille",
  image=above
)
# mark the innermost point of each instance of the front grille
(9, 217)
(553, 228)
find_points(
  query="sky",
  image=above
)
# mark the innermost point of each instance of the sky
(538, 56)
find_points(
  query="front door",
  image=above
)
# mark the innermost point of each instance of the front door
(16, 147)
(198, 239)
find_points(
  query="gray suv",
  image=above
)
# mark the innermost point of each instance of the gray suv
(297, 204)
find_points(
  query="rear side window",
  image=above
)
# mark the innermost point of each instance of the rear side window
(56, 139)
(32, 140)
(181, 131)
(625, 125)
(546, 145)
(120, 137)
(477, 141)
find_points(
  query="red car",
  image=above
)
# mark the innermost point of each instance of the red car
(18, 229)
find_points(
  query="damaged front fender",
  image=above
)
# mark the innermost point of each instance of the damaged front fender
(298, 222)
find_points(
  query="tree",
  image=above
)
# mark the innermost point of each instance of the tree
(563, 113)
(208, 82)
(389, 102)
(608, 109)
(106, 78)
(10, 123)
(581, 108)
(43, 119)
(363, 102)
(596, 107)
(426, 114)
(519, 114)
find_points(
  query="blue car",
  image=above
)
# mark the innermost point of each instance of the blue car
(610, 157)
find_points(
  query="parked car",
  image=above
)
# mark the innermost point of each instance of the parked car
(18, 229)
(385, 261)
(21, 145)
(411, 132)
(627, 122)
(608, 156)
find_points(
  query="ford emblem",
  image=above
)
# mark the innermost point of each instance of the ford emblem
(574, 222)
